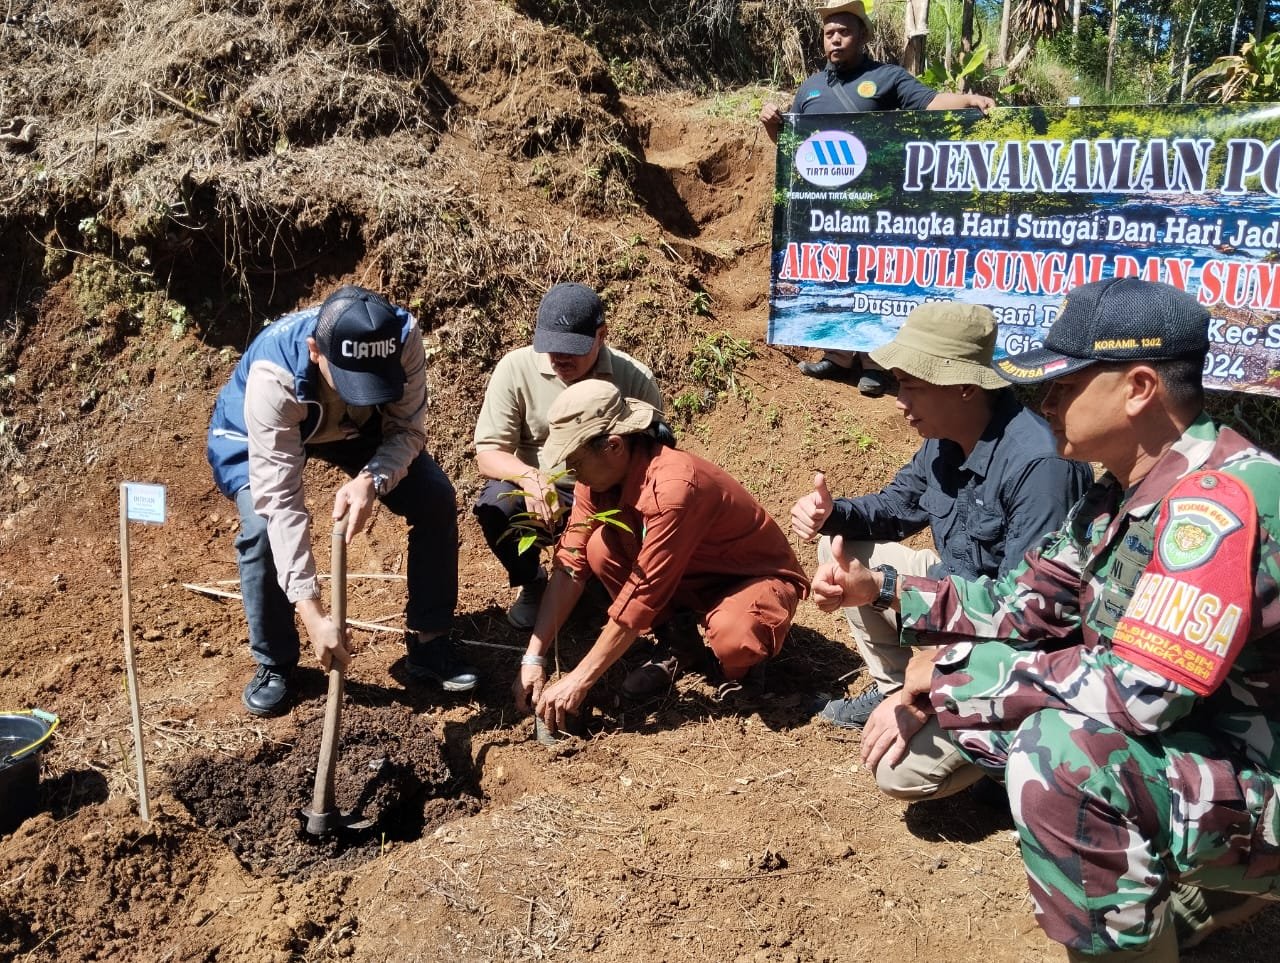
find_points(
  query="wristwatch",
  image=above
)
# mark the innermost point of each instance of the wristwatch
(379, 481)
(888, 588)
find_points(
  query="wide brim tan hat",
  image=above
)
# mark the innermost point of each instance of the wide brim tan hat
(858, 8)
(587, 410)
(945, 343)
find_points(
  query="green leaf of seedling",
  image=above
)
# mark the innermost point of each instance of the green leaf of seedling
(526, 542)
(608, 517)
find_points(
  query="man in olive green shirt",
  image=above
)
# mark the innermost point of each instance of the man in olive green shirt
(568, 346)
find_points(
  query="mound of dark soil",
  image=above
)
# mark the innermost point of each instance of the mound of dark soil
(390, 772)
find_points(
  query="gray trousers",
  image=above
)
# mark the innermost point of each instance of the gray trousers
(933, 766)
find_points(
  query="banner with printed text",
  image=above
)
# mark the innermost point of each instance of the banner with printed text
(875, 213)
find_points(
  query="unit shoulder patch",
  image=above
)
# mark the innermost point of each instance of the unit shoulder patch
(1191, 610)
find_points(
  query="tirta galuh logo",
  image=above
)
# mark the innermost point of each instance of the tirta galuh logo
(369, 349)
(831, 158)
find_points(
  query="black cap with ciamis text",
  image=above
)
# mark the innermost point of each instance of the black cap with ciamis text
(358, 332)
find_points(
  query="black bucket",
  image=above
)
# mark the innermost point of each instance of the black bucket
(22, 736)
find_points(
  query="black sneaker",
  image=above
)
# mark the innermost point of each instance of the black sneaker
(677, 649)
(439, 660)
(524, 612)
(826, 369)
(267, 693)
(654, 678)
(852, 713)
(873, 383)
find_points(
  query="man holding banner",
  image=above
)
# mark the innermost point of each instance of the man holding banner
(853, 83)
(1121, 680)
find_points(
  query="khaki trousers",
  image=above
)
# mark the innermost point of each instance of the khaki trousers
(933, 767)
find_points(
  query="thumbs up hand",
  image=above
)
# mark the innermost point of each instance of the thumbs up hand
(810, 513)
(843, 582)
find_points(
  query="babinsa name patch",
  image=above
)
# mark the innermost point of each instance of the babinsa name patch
(1040, 371)
(1191, 609)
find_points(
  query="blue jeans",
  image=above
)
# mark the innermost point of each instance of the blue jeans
(424, 498)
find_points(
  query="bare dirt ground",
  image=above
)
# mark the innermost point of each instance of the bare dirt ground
(680, 830)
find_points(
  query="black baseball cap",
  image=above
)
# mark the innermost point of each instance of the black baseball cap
(358, 332)
(1120, 319)
(569, 317)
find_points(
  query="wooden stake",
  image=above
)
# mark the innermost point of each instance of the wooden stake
(131, 674)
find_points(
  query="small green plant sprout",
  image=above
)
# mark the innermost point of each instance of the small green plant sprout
(531, 528)
(700, 303)
(716, 359)
(179, 320)
(534, 532)
(689, 403)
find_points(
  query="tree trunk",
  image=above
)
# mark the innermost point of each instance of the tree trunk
(966, 40)
(1260, 25)
(916, 28)
(1235, 27)
(1186, 50)
(1002, 54)
(1112, 31)
(1023, 54)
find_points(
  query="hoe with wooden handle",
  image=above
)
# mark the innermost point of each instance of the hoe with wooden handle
(324, 816)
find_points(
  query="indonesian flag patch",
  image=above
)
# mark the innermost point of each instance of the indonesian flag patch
(1193, 606)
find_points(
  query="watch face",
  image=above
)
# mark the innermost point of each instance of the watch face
(888, 587)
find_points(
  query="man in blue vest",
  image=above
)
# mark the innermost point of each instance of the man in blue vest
(344, 381)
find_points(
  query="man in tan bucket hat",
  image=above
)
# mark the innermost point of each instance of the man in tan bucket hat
(987, 482)
(684, 541)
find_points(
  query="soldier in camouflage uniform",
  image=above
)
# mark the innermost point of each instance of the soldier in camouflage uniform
(1124, 680)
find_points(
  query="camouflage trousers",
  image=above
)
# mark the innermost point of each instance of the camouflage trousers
(1109, 821)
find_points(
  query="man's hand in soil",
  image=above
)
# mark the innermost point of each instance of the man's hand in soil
(810, 512)
(844, 583)
(328, 644)
(562, 701)
(355, 500)
(527, 687)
